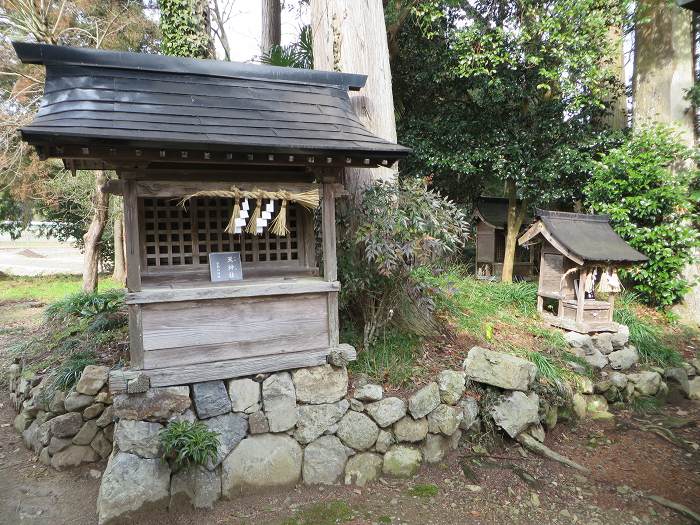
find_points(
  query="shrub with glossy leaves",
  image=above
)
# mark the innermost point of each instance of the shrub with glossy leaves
(644, 185)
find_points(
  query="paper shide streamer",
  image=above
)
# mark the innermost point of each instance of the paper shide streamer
(259, 218)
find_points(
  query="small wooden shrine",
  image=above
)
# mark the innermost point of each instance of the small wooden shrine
(221, 166)
(491, 217)
(579, 255)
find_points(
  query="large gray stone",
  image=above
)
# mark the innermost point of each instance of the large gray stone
(92, 380)
(623, 359)
(261, 461)
(402, 461)
(130, 483)
(106, 418)
(320, 384)
(280, 402)
(363, 468)
(592, 356)
(257, 423)
(231, 428)
(66, 425)
(314, 420)
(499, 369)
(195, 486)
(646, 383)
(324, 461)
(694, 388)
(679, 376)
(516, 412)
(22, 421)
(445, 420)
(369, 392)
(470, 413)
(93, 411)
(435, 448)
(451, 384)
(410, 430)
(245, 395)
(73, 456)
(156, 404)
(210, 399)
(424, 401)
(138, 437)
(618, 380)
(57, 405)
(603, 342)
(384, 441)
(86, 434)
(357, 430)
(101, 445)
(620, 338)
(577, 340)
(76, 402)
(387, 411)
(31, 437)
(58, 444)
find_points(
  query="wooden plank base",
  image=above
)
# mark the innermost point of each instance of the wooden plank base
(584, 327)
(182, 375)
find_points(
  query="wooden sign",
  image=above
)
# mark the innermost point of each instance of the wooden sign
(225, 266)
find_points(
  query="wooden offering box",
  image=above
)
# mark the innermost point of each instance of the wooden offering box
(577, 251)
(182, 135)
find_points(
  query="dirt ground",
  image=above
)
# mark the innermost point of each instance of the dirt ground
(627, 460)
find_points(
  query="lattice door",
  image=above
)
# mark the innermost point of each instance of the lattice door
(175, 236)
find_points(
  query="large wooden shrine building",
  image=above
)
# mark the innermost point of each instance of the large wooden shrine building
(221, 167)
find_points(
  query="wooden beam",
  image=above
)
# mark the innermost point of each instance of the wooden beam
(135, 336)
(236, 367)
(328, 233)
(179, 189)
(239, 289)
(132, 237)
(113, 187)
(581, 299)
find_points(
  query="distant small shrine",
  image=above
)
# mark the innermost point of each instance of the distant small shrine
(579, 257)
(491, 216)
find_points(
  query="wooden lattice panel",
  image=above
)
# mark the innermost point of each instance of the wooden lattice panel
(174, 236)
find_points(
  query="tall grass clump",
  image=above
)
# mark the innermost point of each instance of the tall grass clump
(189, 443)
(644, 334)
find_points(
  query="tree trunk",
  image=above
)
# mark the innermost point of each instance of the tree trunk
(93, 236)
(119, 274)
(271, 25)
(350, 36)
(663, 71)
(663, 68)
(516, 215)
(617, 116)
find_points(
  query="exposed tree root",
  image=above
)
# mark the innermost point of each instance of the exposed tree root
(676, 506)
(535, 446)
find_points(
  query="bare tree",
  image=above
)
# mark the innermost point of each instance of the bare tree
(221, 14)
(271, 25)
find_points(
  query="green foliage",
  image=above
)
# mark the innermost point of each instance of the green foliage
(644, 185)
(429, 490)
(86, 305)
(299, 54)
(644, 333)
(184, 29)
(394, 229)
(69, 372)
(45, 288)
(488, 92)
(390, 359)
(189, 443)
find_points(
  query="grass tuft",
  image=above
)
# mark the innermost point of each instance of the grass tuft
(429, 490)
(391, 358)
(189, 443)
(324, 513)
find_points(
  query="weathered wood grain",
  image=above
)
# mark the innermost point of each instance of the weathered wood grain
(135, 336)
(132, 238)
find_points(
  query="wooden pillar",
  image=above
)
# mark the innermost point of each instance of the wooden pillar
(131, 237)
(611, 300)
(330, 269)
(583, 274)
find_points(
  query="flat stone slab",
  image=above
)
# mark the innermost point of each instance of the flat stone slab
(320, 384)
(210, 399)
(499, 369)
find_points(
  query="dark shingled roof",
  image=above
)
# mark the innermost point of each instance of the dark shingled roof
(150, 100)
(589, 237)
(494, 210)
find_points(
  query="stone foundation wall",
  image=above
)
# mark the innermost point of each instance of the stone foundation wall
(65, 429)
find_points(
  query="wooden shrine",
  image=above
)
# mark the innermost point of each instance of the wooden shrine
(491, 217)
(214, 158)
(579, 255)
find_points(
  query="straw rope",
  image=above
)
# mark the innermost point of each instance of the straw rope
(309, 199)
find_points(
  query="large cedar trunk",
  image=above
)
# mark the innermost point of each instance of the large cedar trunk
(93, 236)
(271, 25)
(350, 36)
(119, 274)
(617, 117)
(516, 215)
(663, 72)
